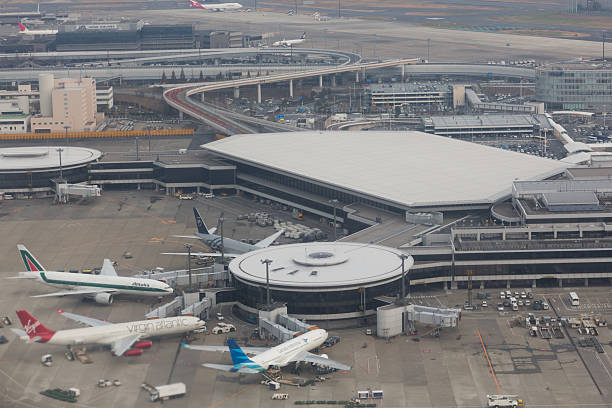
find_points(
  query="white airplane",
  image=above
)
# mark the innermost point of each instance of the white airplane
(294, 350)
(24, 30)
(215, 6)
(289, 43)
(100, 287)
(123, 338)
(231, 247)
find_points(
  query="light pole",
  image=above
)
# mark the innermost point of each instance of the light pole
(403, 257)
(149, 127)
(334, 202)
(60, 150)
(188, 247)
(66, 127)
(267, 262)
(137, 151)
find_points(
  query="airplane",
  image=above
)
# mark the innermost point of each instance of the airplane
(102, 288)
(213, 241)
(290, 43)
(24, 30)
(215, 6)
(123, 338)
(294, 350)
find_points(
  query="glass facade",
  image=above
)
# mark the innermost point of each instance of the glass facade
(576, 86)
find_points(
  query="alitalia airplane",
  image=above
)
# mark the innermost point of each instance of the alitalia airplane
(294, 350)
(123, 338)
(232, 247)
(102, 288)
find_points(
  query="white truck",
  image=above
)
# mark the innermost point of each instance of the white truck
(222, 328)
(165, 392)
(504, 401)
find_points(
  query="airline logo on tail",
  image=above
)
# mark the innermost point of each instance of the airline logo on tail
(23, 28)
(33, 328)
(194, 3)
(30, 262)
(303, 36)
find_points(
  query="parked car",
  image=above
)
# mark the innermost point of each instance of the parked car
(219, 316)
(500, 307)
(484, 303)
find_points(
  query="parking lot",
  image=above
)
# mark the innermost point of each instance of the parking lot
(417, 371)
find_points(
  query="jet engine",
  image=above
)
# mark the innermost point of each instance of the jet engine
(104, 298)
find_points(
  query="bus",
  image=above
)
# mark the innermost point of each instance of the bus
(574, 299)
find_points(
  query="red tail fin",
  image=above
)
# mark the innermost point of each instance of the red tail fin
(22, 28)
(33, 327)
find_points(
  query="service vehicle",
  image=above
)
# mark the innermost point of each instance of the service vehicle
(165, 392)
(504, 401)
(185, 197)
(574, 299)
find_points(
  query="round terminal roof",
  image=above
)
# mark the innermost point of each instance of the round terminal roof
(321, 265)
(45, 157)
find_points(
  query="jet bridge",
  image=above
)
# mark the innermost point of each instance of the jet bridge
(393, 319)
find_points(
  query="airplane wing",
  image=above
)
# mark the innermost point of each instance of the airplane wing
(122, 344)
(186, 236)
(88, 321)
(248, 350)
(108, 269)
(225, 367)
(89, 291)
(322, 361)
(212, 254)
(25, 275)
(264, 243)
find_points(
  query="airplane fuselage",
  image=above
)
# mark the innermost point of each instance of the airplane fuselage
(286, 352)
(118, 284)
(109, 333)
(229, 245)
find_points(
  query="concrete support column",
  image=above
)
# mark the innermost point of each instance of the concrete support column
(533, 283)
(333, 81)
(258, 93)
(291, 88)
(181, 115)
(356, 76)
(320, 81)
(508, 284)
(198, 189)
(403, 72)
(560, 283)
(586, 282)
(453, 285)
(236, 92)
(529, 235)
(478, 236)
(504, 235)
(202, 97)
(555, 234)
(482, 285)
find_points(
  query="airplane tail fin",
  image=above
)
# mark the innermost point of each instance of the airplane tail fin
(238, 356)
(35, 330)
(28, 259)
(303, 36)
(200, 222)
(194, 3)
(22, 28)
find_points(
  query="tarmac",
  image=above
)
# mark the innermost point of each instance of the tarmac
(413, 371)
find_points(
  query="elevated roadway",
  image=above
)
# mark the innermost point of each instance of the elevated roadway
(179, 97)
(475, 70)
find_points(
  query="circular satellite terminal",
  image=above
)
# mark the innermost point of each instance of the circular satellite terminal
(45, 158)
(320, 280)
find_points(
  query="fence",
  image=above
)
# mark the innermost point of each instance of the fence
(95, 135)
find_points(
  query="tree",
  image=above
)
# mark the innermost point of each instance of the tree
(173, 77)
(201, 76)
(182, 75)
(164, 79)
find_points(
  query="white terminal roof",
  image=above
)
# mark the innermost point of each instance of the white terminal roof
(43, 158)
(408, 168)
(321, 266)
